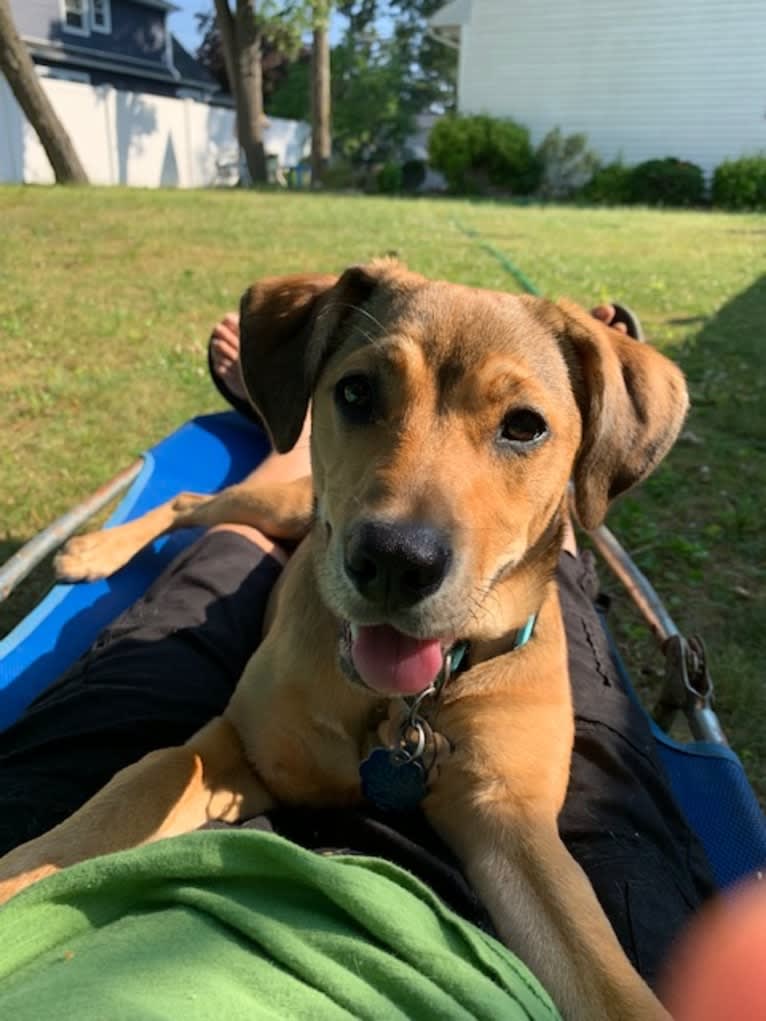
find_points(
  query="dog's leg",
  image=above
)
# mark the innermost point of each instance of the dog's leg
(541, 902)
(496, 794)
(545, 910)
(167, 793)
(281, 510)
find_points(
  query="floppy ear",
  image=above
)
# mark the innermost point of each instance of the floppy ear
(286, 328)
(633, 401)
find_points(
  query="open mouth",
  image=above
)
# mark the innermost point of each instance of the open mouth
(388, 661)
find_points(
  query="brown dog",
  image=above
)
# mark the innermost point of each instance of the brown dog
(447, 423)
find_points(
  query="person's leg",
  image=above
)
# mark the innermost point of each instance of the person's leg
(153, 677)
(620, 820)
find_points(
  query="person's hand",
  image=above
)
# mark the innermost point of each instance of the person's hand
(717, 972)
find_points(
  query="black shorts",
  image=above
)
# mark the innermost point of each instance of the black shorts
(170, 663)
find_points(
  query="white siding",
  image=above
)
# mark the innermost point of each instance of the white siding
(643, 79)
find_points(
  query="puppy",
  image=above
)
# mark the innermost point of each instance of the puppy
(447, 423)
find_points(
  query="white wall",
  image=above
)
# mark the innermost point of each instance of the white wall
(643, 78)
(137, 139)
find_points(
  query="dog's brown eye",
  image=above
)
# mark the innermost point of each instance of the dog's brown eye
(523, 427)
(354, 397)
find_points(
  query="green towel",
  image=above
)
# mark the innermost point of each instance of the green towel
(242, 924)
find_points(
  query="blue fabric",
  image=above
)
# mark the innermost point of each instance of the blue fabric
(709, 783)
(204, 455)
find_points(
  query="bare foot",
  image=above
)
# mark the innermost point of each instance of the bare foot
(620, 318)
(606, 314)
(224, 354)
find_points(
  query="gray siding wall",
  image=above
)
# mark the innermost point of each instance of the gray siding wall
(36, 17)
(138, 32)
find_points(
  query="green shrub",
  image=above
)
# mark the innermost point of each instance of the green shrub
(667, 182)
(339, 175)
(413, 175)
(389, 179)
(610, 186)
(741, 184)
(480, 154)
(566, 164)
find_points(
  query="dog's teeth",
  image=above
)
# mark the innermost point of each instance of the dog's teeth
(354, 629)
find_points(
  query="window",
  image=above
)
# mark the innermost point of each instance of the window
(76, 17)
(101, 15)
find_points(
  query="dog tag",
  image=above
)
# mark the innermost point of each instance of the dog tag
(392, 782)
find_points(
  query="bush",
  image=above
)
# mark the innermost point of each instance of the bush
(610, 185)
(480, 154)
(667, 182)
(340, 175)
(389, 179)
(741, 184)
(413, 175)
(566, 164)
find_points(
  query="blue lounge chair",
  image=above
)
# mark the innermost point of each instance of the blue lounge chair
(214, 451)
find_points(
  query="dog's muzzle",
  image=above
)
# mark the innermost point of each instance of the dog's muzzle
(394, 564)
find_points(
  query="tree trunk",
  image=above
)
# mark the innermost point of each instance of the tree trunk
(249, 75)
(241, 39)
(225, 21)
(321, 143)
(17, 66)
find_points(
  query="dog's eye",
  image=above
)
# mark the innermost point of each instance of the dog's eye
(522, 427)
(354, 396)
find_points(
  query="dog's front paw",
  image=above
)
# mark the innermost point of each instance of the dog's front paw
(91, 556)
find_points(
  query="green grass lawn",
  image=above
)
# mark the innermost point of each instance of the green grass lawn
(107, 296)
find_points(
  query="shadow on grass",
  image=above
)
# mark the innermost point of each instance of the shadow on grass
(726, 367)
(696, 527)
(29, 592)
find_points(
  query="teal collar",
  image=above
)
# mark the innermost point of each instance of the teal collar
(456, 657)
(525, 633)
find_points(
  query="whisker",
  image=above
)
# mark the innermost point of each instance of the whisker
(333, 305)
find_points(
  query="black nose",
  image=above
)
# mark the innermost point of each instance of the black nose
(396, 564)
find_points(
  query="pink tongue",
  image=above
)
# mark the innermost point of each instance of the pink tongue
(393, 663)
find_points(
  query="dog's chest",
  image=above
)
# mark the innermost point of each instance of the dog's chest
(305, 742)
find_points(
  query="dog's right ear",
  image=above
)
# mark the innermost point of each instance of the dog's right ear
(287, 325)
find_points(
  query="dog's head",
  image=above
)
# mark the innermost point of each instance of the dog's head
(446, 424)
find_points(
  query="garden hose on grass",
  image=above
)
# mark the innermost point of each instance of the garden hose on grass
(508, 265)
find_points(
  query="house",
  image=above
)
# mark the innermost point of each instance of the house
(139, 108)
(643, 79)
(122, 43)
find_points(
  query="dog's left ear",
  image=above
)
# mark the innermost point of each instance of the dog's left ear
(633, 401)
(287, 327)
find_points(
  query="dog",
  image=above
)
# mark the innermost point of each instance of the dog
(447, 423)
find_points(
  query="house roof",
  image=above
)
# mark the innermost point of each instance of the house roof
(447, 22)
(452, 15)
(187, 70)
(70, 54)
(163, 5)
(190, 68)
